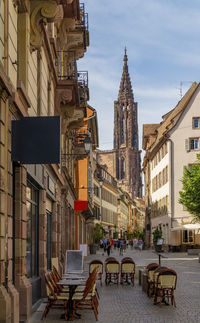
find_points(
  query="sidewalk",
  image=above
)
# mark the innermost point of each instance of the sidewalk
(126, 304)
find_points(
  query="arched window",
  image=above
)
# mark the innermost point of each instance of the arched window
(123, 168)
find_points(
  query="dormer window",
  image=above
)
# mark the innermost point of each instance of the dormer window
(195, 123)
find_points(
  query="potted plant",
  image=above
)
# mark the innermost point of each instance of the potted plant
(157, 234)
(97, 236)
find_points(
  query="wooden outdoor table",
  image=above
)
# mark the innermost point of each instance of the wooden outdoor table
(72, 284)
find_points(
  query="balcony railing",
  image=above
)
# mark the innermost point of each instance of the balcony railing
(83, 78)
(83, 17)
(66, 65)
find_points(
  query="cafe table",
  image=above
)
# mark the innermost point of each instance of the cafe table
(72, 285)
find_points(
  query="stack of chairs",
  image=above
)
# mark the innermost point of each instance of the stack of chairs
(150, 278)
(57, 297)
(161, 283)
(127, 270)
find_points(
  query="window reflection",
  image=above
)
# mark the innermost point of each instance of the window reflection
(32, 231)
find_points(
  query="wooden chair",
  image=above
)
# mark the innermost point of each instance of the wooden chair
(127, 270)
(96, 263)
(88, 299)
(152, 264)
(165, 286)
(110, 259)
(112, 270)
(53, 296)
(150, 278)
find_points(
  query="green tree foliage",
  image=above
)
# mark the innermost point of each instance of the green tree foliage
(157, 234)
(97, 233)
(190, 195)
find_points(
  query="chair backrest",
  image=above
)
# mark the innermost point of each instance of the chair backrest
(125, 259)
(110, 259)
(157, 271)
(54, 278)
(167, 278)
(112, 266)
(128, 267)
(151, 265)
(49, 287)
(55, 271)
(96, 263)
(91, 281)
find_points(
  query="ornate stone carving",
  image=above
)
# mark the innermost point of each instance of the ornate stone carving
(40, 11)
(72, 119)
(63, 97)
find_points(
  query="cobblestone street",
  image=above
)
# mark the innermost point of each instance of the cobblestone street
(120, 304)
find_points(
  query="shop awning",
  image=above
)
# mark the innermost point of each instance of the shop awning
(190, 226)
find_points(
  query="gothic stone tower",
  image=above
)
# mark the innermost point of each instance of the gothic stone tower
(127, 154)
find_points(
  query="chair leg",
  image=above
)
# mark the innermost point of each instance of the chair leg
(46, 310)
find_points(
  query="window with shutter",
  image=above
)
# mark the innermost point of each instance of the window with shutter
(187, 145)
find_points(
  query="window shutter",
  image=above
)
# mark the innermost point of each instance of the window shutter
(187, 148)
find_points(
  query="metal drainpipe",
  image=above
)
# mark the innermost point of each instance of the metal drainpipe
(170, 177)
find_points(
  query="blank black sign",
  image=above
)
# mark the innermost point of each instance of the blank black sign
(36, 140)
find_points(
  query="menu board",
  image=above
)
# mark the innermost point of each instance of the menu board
(74, 261)
(84, 248)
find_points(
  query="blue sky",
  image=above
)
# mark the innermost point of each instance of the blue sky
(163, 47)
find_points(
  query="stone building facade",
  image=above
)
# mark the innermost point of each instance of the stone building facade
(40, 42)
(124, 162)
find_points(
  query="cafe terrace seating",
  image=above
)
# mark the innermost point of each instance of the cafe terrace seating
(56, 299)
(112, 268)
(165, 285)
(96, 263)
(150, 279)
(127, 270)
(88, 299)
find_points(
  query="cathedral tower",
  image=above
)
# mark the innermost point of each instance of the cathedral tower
(127, 154)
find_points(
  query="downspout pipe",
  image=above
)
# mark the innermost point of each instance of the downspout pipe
(171, 172)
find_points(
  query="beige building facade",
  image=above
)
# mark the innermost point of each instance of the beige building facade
(40, 42)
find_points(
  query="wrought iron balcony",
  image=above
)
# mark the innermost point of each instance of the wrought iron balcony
(83, 87)
(66, 65)
(83, 17)
(83, 24)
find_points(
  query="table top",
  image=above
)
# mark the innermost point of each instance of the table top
(73, 276)
(69, 282)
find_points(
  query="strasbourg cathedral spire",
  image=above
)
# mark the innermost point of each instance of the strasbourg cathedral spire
(123, 162)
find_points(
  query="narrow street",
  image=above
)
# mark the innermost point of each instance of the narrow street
(128, 304)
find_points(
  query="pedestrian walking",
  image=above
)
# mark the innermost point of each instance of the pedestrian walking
(140, 243)
(108, 247)
(121, 247)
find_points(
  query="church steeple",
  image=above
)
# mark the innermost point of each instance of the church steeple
(128, 169)
(125, 89)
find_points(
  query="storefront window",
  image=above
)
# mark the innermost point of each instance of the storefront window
(188, 236)
(49, 240)
(32, 231)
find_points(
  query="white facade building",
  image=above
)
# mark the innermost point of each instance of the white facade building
(174, 146)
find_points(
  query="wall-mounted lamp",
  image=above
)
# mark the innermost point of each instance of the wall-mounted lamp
(87, 145)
